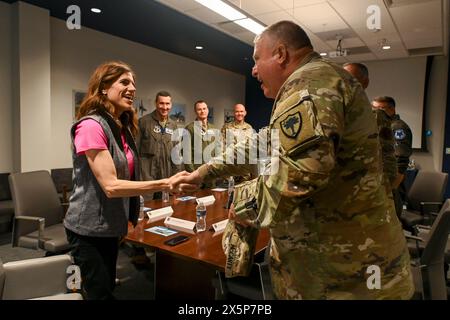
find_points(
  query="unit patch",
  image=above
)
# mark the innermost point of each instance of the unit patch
(291, 125)
(399, 134)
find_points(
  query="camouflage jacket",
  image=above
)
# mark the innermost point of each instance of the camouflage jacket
(237, 133)
(236, 129)
(403, 142)
(387, 145)
(330, 220)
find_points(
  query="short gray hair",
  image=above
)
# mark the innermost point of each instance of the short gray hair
(290, 33)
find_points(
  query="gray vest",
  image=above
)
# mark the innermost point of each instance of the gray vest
(90, 212)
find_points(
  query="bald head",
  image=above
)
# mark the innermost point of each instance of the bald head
(239, 113)
(359, 71)
(278, 51)
(288, 33)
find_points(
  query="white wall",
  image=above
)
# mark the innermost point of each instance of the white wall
(6, 118)
(75, 54)
(404, 80)
(33, 85)
(436, 104)
(397, 78)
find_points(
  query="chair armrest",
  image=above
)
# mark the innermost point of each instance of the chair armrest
(220, 286)
(434, 214)
(424, 205)
(266, 281)
(34, 278)
(24, 225)
(65, 206)
(414, 237)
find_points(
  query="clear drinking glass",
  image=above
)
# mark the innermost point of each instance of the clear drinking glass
(141, 208)
(165, 196)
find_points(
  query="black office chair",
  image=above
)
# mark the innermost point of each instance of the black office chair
(38, 213)
(426, 195)
(428, 269)
(62, 178)
(6, 204)
(256, 286)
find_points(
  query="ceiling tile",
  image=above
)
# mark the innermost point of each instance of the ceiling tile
(289, 4)
(346, 43)
(319, 18)
(432, 38)
(206, 15)
(181, 5)
(409, 24)
(419, 24)
(254, 7)
(272, 17)
(354, 12)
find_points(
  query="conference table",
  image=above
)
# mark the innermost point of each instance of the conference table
(186, 270)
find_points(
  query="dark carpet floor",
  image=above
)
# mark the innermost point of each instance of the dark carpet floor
(135, 281)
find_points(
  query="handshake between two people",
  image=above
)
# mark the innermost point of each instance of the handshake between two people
(184, 182)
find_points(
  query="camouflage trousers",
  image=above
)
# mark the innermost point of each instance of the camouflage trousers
(306, 270)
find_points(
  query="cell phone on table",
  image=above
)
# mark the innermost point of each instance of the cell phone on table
(176, 240)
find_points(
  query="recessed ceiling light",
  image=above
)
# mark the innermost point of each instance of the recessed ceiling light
(250, 25)
(323, 54)
(233, 14)
(96, 10)
(199, 47)
(385, 45)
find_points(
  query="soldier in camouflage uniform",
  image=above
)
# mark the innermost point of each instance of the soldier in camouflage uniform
(361, 73)
(326, 208)
(238, 123)
(154, 142)
(403, 147)
(204, 130)
(238, 129)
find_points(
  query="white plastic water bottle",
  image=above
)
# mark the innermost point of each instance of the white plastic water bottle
(141, 208)
(200, 212)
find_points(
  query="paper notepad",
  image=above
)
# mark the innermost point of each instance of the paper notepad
(158, 214)
(163, 231)
(207, 200)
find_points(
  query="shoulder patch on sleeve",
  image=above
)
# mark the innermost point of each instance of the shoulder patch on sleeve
(291, 124)
(298, 127)
(399, 134)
